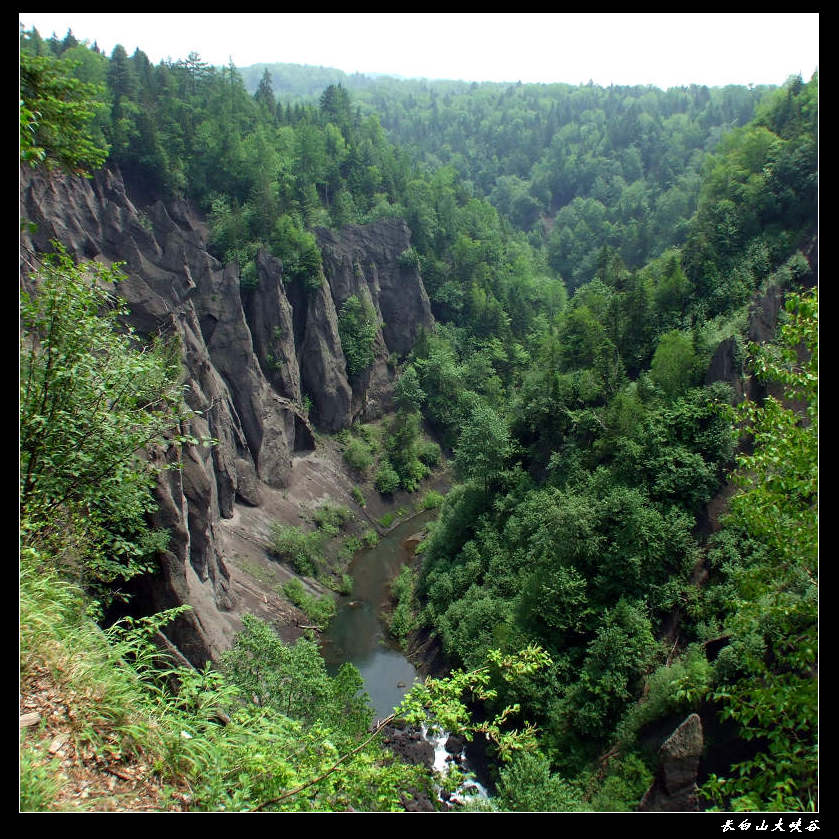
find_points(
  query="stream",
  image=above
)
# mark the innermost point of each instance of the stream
(357, 634)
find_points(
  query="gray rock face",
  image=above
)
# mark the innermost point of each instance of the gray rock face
(322, 363)
(674, 788)
(727, 364)
(365, 258)
(364, 261)
(249, 356)
(270, 318)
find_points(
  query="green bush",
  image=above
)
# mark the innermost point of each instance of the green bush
(431, 500)
(368, 433)
(331, 518)
(387, 481)
(358, 455)
(302, 549)
(429, 453)
(679, 687)
(357, 327)
(249, 276)
(409, 259)
(623, 787)
(319, 609)
(528, 785)
(411, 474)
(370, 538)
(674, 364)
(92, 397)
(350, 548)
(403, 620)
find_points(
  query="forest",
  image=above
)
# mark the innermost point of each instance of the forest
(630, 536)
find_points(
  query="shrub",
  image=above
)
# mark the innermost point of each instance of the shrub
(350, 548)
(320, 610)
(527, 784)
(623, 787)
(330, 518)
(674, 365)
(357, 327)
(429, 453)
(678, 687)
(368, 433)
(409, 259)
(402, 586)
(403, 621)
(431, 500)
(370, 538)
(412, 474)
(302, 549)
(345, 584)
(91, 397)
(358, 455)
(387, 481)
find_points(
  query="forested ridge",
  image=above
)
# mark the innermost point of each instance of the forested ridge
(632, 537)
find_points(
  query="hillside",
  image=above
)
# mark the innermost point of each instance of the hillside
(266, 325)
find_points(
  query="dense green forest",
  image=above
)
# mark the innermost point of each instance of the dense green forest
(586, 252)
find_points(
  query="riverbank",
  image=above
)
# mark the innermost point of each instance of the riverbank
(317, 478)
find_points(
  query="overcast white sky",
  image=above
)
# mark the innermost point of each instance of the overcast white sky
(664, 50)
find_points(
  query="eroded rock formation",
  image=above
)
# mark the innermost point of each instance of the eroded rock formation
(250, 356)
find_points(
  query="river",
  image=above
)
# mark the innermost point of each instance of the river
(357, 634)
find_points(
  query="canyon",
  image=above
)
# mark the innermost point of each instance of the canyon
(263, 371)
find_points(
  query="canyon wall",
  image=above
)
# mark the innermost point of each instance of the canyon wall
(251, 359)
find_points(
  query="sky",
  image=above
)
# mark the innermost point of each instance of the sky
(664, 50)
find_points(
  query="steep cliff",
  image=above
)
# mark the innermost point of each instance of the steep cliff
(726, 365)
(364, 262)
(249, 358)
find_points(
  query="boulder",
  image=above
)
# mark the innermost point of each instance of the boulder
(674, 787)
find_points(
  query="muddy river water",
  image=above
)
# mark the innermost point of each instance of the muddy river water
(357, 634)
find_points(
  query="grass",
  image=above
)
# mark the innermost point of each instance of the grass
(266, 576)
(430, 501)
(39, 776)
(304, 550)
(320, 610)
(403, 620)
(358, 497)
(114, 714)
